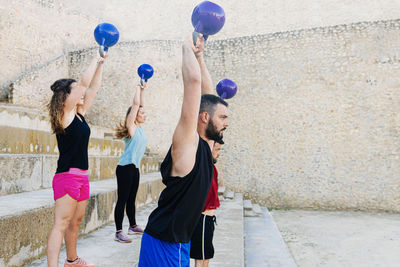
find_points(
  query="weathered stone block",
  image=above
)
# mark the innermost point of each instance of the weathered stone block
(24, 228)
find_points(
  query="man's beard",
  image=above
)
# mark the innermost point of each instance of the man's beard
(212, 132)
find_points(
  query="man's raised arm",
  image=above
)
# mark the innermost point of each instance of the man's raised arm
(185, 139)
(206, 83)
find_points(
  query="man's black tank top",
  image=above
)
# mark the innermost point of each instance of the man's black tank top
(73, 145)
(182, 201)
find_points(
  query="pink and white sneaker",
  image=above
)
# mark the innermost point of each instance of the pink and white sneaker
(79, 262)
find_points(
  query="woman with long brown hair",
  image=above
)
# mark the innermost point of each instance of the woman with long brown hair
(69, 103)
(127, 172)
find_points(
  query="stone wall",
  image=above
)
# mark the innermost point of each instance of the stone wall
(26, 219)
(163, 95)
(315, 122)
(29, 153)
(34, 32)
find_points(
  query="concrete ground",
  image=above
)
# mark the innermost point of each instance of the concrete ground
(340, 238)
(264, 245)
(229, 234)
(313, 239)
(99, 247)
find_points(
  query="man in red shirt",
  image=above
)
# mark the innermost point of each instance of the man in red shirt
(201, 246)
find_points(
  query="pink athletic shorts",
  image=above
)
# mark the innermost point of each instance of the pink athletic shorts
(74, 182)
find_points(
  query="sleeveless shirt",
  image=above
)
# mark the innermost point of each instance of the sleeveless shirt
(182, 201)
(134, 148)
(73, 145)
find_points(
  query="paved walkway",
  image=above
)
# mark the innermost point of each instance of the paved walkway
(100, 247)
(310, 239)
(340, 238)
(264, 245)
(229, 234)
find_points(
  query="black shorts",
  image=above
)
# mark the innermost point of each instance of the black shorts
(201, 246)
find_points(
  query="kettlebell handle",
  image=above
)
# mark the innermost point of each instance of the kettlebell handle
(141, 80)
(195, 35)
(101, 51)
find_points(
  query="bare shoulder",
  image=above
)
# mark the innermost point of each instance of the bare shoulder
(81, 110)
(68, 117)
(183, 157)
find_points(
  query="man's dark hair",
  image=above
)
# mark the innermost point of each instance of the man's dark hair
(208, 103)
(220, 141)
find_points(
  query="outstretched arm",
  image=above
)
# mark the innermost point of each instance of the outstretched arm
(94, 86)
(185, 139)
(130, 120)
(93, 72)
(206, 83)
(142, 93)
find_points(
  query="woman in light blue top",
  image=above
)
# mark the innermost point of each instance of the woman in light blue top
(128, 166)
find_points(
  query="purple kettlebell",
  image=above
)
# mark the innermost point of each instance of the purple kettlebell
(208, 18)
(226, 88)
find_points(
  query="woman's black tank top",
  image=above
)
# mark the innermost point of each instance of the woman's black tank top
(182, 201)
(73, 145)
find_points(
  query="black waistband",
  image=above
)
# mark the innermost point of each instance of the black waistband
(209, 217)
(131, 165)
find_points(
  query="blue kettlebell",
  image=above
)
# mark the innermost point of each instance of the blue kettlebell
(145, 72)
(106, 35)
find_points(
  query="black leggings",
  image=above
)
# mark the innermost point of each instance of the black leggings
(128, 183)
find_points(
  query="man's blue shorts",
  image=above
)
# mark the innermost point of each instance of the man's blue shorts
(155, 252)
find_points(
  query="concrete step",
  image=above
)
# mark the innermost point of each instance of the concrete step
(26, 130)
(229, 194)
(257, 209)
(229, 233)
(264, 245)
(250, 209)
(16, 140)
(221, 190)
(99, 246)
(28, 172)
(247, 204)
(29, 151)
(26, 218)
